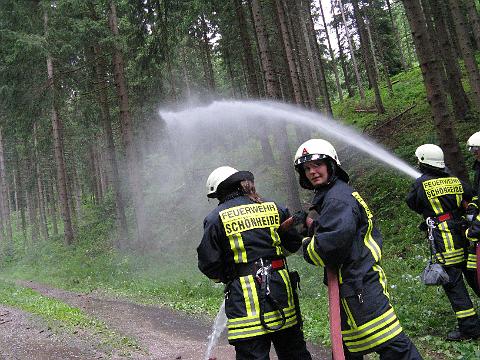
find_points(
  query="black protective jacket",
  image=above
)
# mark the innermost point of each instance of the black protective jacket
(344, 238)
(439, 196)
(476, 178)
(237, 234)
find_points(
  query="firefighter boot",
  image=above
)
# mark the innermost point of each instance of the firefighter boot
(456, 335)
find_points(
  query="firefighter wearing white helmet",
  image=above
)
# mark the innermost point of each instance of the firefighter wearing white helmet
(343, 237)
(241, 244)
(430, 155)
(441, 198)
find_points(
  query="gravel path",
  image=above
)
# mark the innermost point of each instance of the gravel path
(160, 332)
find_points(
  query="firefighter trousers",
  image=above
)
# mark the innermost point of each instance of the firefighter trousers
(399, 348)
(456, 291)
(289, 345)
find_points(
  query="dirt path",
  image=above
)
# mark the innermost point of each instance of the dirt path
(160, 332)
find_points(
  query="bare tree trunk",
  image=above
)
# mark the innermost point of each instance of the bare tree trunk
(474, 20)
(53, 208)
(466, 49)
(5, 208)
(453, 74)
(59, 153)
(20, 192)
(290, 185)
(352, 54)
(112, 163)
(206, 50)
(30, 198)
(297, 95)
(341, 54)
(332, 55)
(252, 83)
(433, 78)
(38, 175)
(127, 134)
(368, 56)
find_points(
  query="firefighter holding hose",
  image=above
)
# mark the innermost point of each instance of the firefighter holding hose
(343, 238)
(243, 247)
(442, 198)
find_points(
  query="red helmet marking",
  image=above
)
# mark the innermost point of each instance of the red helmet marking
(304, 152)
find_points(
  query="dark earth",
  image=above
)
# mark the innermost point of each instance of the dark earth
(160, 333)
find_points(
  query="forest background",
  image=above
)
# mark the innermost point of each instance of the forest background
(101, 189)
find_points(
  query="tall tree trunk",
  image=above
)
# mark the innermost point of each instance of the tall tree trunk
(332, 55)
(368, 56)
(352, 54)
(134, 177)
(432, 77)
(20, 192)
(112, 163)
(290, 185)
(341, 56)
(466, 49)
(474, 20)
(59, 152)
(53, 207)
(252, 83)
(5, 208)
(206, 52)
(39, 177)
(30, 197)
(453, 75)
(297, 95)
(317, 57)
(397, 36)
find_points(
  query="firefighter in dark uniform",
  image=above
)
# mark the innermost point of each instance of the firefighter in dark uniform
(343, 237)
(439, 196)
(473, 145)
(243, 248)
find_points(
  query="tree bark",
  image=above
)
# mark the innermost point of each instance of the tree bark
(474, 20)
(332, 55)
(368, 56)
(39, 177)
(466, 49)
(453, 75)
(134, 177)
(341, 56)
(252, 83)
(5, 208)
(59, 152)
(209, 78)
(352, 54)
(432, 77)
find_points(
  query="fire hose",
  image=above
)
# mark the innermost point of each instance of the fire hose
(333, 298)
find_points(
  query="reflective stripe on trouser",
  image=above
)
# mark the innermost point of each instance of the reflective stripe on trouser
(289, 345)
(456, 291)
(243, 309)
(367, 325)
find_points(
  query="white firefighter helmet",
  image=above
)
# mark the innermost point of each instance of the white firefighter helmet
(430, 154)
(315, 149)
(473, 142)
(216, 177)
(318, 149)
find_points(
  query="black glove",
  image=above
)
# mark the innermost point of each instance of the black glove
(423, 226)
(300, 222)
(471, 212)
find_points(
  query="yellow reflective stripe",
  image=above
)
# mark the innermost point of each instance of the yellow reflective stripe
(255, 320)
(276, 240)
(375, 339)
(472, 261)
(314, 256)
(368, 239)
(350, 319)
(365, 328)
(250, 295)
(383, 279)
(436, 206)
(238, 248)
(468, 236)
(465, 313)
(459, 200)
(284, 274)
(259, 330)
(446, 235)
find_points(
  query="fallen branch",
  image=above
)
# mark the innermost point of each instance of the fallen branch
(372, 110)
